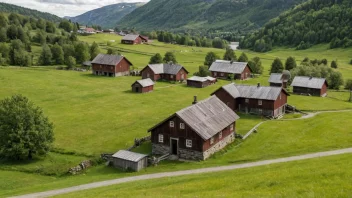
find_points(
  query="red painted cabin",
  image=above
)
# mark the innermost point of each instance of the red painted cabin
(305, 85)
(223, 69)
(134, 39)
(143, 86)
(163, 71)
(111, 65)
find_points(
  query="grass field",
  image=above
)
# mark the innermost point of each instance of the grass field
(94, 115)
(323, 177)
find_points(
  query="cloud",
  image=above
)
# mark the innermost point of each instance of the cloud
(66, 7)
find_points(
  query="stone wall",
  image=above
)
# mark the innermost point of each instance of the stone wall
(126, 73)
(159, 149)
(190, 154)
(218, 146)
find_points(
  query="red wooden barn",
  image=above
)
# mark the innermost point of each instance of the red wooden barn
(111, 65)
(196, 132)
(134, 39)
(310, 86)
(200, 82)
(222, 69)
(163, 71)
(143, 86)
(260, 100)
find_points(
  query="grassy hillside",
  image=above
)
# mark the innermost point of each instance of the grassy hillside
(200, 15)
(310, 23)
(107, 16)
(9, 8)
(94, 115)
(324, 177)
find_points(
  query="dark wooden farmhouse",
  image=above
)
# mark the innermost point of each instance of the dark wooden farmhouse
(128, 160)
(305, 85)
(260, 100)
(222, 69)
(143, 86)
(134, 39)
(111, 65)
(163, 71)
(278, 80)
(200, 82)
(196, 132)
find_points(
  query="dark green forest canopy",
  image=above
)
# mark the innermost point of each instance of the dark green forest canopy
(203, 15)
(310, 23)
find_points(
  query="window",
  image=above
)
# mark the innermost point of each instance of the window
(260, 102)
(220, 135)
(148, 75)
(222, 74)
(171, 123)
(161, 138)
(212, 140)
(171, 76)
(189, 143)
(247, 100)
(215, 73)
(182, 125)
(231, 127)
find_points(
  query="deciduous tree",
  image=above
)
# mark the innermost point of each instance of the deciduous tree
(210, 58)
(277, 66)
(156, 59)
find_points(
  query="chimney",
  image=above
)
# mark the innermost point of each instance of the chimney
(258, 85)
(195, 100)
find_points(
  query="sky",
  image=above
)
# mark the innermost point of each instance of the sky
(66, 7)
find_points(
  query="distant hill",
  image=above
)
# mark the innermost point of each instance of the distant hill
(9, 8)
(310, 23)
(107, 16)
(199, 15)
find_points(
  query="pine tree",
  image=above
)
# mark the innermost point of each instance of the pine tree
(230, 55)
(45, 56)
(277, 66)
(58, 54)
(290, 63)
(243, 58)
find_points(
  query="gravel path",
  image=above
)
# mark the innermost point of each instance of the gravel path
(185, 172)
(311, 115)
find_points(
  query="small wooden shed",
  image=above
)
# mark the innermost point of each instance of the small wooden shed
(143, 86)
(200, 82)
(128, 160)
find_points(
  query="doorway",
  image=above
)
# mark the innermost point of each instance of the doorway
(137, 89)
(174, 146)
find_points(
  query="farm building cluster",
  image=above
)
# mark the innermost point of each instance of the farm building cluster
(198, 131)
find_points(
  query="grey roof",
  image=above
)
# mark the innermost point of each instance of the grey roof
(87, 63)
(130, 37)
(201, 79)
(228, 67)
(208, 117)
(128, 155)
(145, 82)
(277, 78)
(106, 59)
(165, 68)
(253, 92)
(309, 82)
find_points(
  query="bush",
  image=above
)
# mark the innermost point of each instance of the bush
(351, 62)
(210, 58)
(203, 71)
(277, 66)
(334, 64)
(348, 84)
(70, 62)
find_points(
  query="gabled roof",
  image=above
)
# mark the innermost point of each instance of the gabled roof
(201, 79)
(145, 82)
(130, 37)
(107, 59)
(308, 82)
(207, 118)
(277, 78)
(164, 68)
(129, 156)
(228, 67)
(253, 92)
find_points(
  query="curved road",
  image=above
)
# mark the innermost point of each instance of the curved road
(185, 172)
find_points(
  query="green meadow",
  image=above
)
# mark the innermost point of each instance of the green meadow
(94, 115)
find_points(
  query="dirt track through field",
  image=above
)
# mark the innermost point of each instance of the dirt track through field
(185, 172)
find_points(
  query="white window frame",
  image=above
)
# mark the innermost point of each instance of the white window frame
(172, 76)
(247, 100)
(182, 125)
(231, 127)
(188, 143)
(221, 74)
(215, 73)
(148, 75)
(260, 102)
(172, 124)
(161, 138)
(220, 135)
(212, 140)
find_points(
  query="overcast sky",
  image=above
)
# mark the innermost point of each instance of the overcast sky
(66, 7)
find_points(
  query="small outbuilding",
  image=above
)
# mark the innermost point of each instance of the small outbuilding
(278, 80)
(305, 85)
(223, 69)
(128, 160)
(133, 39)
(111, 65)
(143, 86)
(200, 82)
(163, 71)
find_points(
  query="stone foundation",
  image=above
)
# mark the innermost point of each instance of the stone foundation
(218, 146)
(159, 149)
(190, 154)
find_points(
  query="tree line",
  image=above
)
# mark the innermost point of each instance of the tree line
(310, 23)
